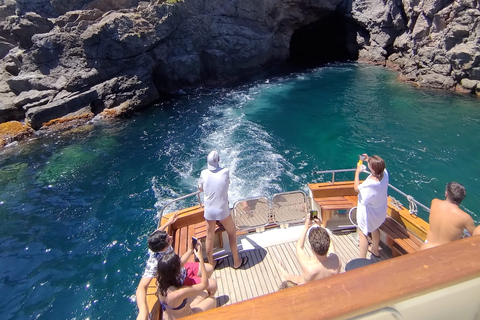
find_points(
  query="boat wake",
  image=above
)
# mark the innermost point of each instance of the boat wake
(257, 166)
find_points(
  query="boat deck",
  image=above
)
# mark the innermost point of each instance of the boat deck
(261, 274)
(267, 232)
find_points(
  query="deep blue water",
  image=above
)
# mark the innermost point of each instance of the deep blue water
(76, 207)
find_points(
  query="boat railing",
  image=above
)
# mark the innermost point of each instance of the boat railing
(286, 207)
(196, 193)
(412, 202)
(336, 171)
(259, 212)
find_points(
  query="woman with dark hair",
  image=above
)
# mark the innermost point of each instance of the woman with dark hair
(177, 300)
(372, 203)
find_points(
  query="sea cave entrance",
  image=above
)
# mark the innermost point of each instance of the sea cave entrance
(330, 39)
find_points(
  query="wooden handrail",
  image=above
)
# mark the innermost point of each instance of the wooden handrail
(363, 290)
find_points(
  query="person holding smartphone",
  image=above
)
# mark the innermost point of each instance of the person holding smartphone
(372, 203)
(160, 244)
(178, 300)
(324, 262)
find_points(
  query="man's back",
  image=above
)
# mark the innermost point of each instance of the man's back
(447, 222)
(215, 186)
(321, 267)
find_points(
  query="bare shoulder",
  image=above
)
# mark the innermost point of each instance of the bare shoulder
(462, 213)
(467, 218)
(436, 205)
(477, 231)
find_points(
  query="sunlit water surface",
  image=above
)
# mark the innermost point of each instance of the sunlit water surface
(76, 208)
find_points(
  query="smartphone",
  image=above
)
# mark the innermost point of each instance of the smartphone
(194, 242)
(313, 214)
(362, 157)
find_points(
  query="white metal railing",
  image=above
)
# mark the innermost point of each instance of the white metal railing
(181, 198)
(259, 212)
(271, 210)
(336, 171)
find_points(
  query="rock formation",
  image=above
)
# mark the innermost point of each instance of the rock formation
(81, 58)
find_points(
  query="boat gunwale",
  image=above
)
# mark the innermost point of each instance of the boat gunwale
(367, 289)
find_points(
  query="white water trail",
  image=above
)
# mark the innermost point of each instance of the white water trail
(257, 161)
(245, 148)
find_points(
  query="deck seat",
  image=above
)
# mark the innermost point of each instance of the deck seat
(182, 235)
(333, 196)
(330, 204)
(399, 239)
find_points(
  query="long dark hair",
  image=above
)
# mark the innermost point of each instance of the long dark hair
(378, 166)
(168, 270)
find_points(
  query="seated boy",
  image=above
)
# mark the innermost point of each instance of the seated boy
(324, 262)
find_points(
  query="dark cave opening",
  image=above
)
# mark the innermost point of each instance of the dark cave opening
(330, 39)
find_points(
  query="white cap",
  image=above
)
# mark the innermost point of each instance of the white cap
(212, 161)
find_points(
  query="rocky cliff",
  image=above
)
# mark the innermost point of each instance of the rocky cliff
(81, 58)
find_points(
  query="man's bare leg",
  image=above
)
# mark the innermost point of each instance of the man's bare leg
(232, 239)
(375, 242)
(209, 240)
(285, 276)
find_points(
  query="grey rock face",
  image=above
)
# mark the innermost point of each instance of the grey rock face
(444, 44)
(124, 54)
(7, 8)
(435, 42)
(19, 30)
(37, 116)
(90, 60)
(55, 8)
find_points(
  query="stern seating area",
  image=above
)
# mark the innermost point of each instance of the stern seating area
(259, 213)
(405, 232)
(190, 222)
(332, 197)
(199, 230)
(399, 239)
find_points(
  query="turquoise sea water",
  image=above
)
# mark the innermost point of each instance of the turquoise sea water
(75, 208)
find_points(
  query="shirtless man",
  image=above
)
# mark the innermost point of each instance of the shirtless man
(447, 220)
(324, 262)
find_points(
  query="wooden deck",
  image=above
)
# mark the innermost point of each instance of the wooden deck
(261, 274)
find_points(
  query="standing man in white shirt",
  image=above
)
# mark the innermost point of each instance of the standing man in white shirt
(214, 183)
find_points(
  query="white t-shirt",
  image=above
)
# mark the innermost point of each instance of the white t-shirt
(215, 188)
(152, 263)
(372, 203)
